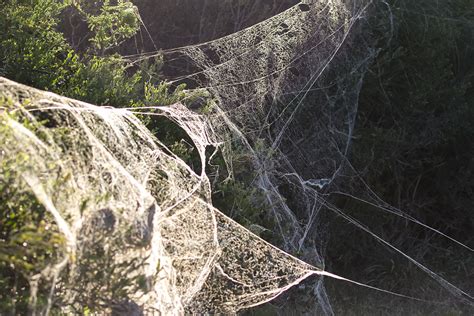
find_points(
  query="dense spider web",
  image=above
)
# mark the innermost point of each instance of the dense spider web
(292, 83)
(125, 193)
(285, 90)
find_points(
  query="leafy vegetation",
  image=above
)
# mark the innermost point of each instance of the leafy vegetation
(113, 25)
(36, 53)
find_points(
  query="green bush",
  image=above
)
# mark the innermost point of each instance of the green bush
(34, 52)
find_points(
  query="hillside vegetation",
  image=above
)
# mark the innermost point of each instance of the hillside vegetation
(407, 150)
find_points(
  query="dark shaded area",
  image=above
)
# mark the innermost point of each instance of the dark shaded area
(413, 146)
(174, 23)
(171, 23)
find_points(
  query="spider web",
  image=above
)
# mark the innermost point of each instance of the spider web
(146, 205)
(292, 83)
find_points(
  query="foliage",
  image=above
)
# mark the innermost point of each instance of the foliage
(113, 25)
(104, 81)
(35, 53)
(31, 50)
